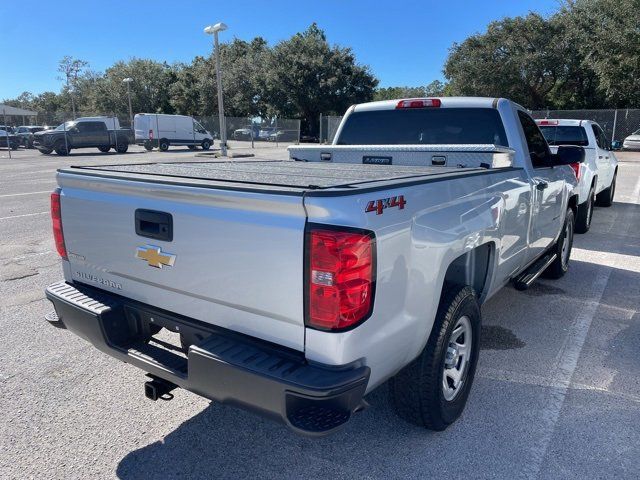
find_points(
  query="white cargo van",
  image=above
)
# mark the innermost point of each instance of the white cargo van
(159, 130)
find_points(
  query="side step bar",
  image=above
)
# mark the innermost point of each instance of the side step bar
(526, 278)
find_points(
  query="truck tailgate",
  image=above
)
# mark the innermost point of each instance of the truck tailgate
(235, 258)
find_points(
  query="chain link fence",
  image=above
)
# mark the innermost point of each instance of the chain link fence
(616, 123)
(244, 132)
(328, 126)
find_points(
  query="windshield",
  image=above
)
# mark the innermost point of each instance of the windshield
(65, 125)
(637, 132)
(426, 126)
(559, 135)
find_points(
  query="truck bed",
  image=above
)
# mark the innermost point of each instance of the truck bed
(279, 176)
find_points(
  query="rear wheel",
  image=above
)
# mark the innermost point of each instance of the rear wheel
(164, 145)
(605, 197)
(206, 144)
(562, 248)
(432, 390)
(147, 146)
(62, 149)
(104, 149)
(585, 213)
(45, 151)
(122, 147)
(191, 147)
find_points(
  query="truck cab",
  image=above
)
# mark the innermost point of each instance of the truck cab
(596, 175)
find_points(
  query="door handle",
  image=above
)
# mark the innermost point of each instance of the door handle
(542, 185)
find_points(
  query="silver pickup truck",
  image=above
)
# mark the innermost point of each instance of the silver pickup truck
(293, 289)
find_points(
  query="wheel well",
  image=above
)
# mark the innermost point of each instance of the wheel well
(471, 268)
(573, 204)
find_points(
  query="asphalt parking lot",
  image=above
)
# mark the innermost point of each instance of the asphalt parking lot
(557, 393)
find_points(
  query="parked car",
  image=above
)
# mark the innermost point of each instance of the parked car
(632, 142)
(9, 140)
(25, 134)
(7, 129)
(162, 131)
(395, 264)
(283, 136)
(265, 132)
(247, 132)
(101, 132)
(597, 174)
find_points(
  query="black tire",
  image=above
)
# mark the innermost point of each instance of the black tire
(561, 264)
(104, 149)
(605, 197)
(417, 391)
(14, 146)
(45, 151)
(206, 144)
(164, 145)
(585, 213)
(122, 147)
(62, 149)
(191, 147)
(148, 146)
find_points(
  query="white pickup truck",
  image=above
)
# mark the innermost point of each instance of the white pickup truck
(296, 288)
(597, 174)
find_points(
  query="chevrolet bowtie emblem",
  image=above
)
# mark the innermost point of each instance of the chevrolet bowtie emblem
(155, 257)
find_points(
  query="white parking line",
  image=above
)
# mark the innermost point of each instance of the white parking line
(569, 355)
(25, 215)
(28, 193)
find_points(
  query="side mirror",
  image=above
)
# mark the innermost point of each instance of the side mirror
(568, 154)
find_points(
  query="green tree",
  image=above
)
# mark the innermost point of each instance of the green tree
(433, 89)
(606, 33)
(305, 76)
(150, 89)
(519, 58)
(70, 70)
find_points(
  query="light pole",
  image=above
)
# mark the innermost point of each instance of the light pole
(128, 81)
(213, 30)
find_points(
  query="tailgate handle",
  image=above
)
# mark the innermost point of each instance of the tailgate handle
(154, 224)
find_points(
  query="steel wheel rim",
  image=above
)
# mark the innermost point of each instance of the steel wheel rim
(566, 244)
(457, 358)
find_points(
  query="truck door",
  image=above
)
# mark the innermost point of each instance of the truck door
(547, 207)
(99, 134)
(81, 134)
(604, 162)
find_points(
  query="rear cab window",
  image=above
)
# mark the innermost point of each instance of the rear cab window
(565, 135)
(426, 126)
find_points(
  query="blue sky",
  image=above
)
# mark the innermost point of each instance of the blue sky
(404, 43)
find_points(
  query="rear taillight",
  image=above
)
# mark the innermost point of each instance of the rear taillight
(577, 170)
(340, 277)
(419, 103)
(56, 220)
(150, 134)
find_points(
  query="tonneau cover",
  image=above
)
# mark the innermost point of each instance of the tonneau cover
(279, 173)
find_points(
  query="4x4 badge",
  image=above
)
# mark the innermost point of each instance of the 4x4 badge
(379, 206)
(155, 257)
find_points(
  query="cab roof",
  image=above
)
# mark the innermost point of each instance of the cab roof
(445, 102)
